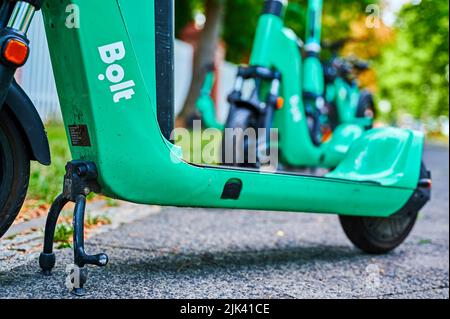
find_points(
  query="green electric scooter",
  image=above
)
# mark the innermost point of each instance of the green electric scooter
(278, 70)
(346, 101)
(114, 75)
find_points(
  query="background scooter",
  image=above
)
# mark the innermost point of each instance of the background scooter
(288, 95)
(346, 101)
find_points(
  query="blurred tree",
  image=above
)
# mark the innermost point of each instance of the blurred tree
(413, 73)
(241, 18)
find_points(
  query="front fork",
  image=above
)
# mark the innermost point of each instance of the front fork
(264, 108)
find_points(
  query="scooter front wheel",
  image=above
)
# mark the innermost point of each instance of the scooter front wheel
(238, 148)
(14, 171)
(366, 107)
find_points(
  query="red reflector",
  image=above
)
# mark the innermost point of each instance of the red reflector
(15, 52)
(280, 103)
(426, 183)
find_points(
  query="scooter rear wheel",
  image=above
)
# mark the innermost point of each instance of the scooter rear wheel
(378, 235)
(14, 171)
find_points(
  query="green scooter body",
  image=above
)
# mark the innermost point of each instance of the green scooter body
(106, 78)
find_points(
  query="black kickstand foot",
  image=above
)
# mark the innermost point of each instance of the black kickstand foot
(78, 292)
(78, 277)
(80, 180)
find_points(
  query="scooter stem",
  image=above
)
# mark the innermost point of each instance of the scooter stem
(314, 26)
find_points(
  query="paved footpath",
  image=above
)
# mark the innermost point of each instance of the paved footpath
(194, 253)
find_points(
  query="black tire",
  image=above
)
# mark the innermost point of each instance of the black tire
(366, 106)
(14, 171)
(380, 235)
(333, 117)
(239, 118)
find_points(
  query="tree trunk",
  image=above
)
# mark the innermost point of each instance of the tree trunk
(204, 55)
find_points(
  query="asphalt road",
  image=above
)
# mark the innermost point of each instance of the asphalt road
(192, 253)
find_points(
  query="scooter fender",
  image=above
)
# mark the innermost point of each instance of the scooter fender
(28, 120)
(390, 157)
(336, 149)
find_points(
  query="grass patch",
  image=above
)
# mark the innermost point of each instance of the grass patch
(64, 230)
(111, 202)
(99, 220)
(425, 242)
(63, 235)
(206, 152)
(46, 181)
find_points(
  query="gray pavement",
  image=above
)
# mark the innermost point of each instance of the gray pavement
(196, 253)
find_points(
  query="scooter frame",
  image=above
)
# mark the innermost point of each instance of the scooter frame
(137, 162)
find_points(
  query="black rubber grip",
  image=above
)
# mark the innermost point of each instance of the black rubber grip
(274, 7)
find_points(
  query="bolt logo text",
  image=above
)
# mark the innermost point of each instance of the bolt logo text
(115, 74)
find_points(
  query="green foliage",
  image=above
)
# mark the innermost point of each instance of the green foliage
(63, 234)
(64, 231)
(183, 14)
(111, 202)
(240, 22)
(413, 73)
(197, 153)
(242, 16)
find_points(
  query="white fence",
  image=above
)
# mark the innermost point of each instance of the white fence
(36, 77)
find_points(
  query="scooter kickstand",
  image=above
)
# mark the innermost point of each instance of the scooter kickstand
(80, 180)
(81, 259)
(47, 259)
